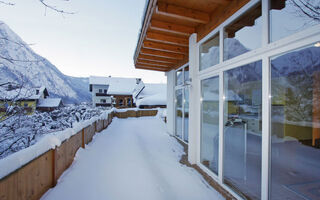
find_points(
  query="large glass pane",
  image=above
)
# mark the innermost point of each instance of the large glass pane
(291, 16)
(179, 77)
(209, 52)
(210, 123)
(186, 114)
(242, 129)
(295, 124)
(243, 34)
(179, 113)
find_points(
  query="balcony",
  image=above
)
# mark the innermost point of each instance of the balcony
(102, 94)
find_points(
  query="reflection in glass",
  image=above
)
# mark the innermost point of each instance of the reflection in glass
(242, 129)
(186, 73)
(210, 123)
(295, 125)
(291, 16)
(243, 34)
(209, 52)
(179, 113)
(186, 114)
(179, 77)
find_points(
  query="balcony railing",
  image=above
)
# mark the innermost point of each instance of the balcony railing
(101, 95)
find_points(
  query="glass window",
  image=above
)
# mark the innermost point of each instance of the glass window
(179, 113)
(186, 114)
(291, 16)
(186, 73)
(179, 77)
(243, 34)
(295, 124)
(100, 90)
(242, 129)
(209, 154)
(209, 52)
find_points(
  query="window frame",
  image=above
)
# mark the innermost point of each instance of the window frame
(265, 52)
(180, 87)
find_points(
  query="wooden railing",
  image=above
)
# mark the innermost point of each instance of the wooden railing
(33, 179)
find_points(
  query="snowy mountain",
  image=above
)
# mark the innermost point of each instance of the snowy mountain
(19, 63)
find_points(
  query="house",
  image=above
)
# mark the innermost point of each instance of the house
(12, 94)
(30, 99)
(151, 95)
(113, 91)
(49, 104)
(243, 82)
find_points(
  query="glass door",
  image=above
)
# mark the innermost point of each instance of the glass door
(182, 104)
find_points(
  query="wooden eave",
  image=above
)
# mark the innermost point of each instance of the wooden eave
(163, 43)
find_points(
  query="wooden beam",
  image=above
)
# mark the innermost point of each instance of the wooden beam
(165, 47)
(182, 13)
(162, 54)
(157, 59)
(143, 66)
(151, 64)
(167, 39)
(171, 28)
(154, 62)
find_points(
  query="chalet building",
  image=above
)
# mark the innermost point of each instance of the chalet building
(243, 90)
(113, 91)
(49, 104)
(30, 99)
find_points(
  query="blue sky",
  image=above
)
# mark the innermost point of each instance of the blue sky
(99, 39)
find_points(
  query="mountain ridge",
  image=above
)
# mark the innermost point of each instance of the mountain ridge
(19, 63)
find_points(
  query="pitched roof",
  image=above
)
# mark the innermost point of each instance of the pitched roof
(117, 85)
(49, 103)
(22, 93)
(152, 94)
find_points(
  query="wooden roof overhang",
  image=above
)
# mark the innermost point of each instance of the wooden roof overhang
(163, 43)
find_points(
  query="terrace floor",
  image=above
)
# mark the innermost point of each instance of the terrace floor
(133, 158)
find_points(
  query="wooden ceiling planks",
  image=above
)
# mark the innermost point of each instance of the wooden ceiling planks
(163, 42)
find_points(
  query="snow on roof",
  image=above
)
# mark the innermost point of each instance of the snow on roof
(117, 86)
(152, 94)
(22, 93)
(99, 80)
(49, 103)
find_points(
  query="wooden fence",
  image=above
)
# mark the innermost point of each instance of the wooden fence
(32, 180)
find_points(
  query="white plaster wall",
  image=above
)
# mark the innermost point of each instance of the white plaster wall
(194, 101)
(170, 101)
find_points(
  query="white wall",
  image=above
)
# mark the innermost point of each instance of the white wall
(95, 89)
(194, 102)
(170, 101)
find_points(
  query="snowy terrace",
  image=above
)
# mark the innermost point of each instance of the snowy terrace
(134, 158)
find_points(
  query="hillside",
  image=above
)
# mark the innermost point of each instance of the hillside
(19, 63)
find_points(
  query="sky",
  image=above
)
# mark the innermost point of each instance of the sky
(99, 39)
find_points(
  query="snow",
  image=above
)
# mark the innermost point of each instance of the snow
(49, 103)
(21, 93)
(133, 159)
(37, 72)
(152, 94)
(117, 86)
(45, 142)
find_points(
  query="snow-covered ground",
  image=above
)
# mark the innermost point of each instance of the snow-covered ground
(133, 158)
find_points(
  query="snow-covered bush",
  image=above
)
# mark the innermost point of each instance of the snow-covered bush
(21, 131)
